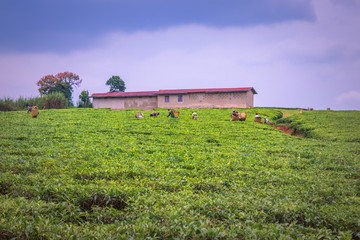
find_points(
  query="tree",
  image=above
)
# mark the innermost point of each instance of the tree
(116, 83)
(47, 84)
(84, 100)
(61, 82)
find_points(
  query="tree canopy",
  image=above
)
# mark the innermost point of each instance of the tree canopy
(116, 83)
(84, 100)
(61, 82)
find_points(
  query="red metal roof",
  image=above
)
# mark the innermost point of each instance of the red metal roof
(175, 91)
(124, 94)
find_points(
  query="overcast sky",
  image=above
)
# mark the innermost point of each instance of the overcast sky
(295, 53)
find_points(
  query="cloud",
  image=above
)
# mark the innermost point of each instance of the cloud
(63, 26)
(349, 97)
(292, 64)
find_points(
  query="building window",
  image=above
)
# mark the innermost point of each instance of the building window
(180, 98)
(167, 99)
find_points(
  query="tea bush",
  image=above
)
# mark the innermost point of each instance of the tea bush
(326, 125)
(101, 174)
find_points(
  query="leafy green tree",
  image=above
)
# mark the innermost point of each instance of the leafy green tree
(61, 82)
(84, 100)
(116, 83)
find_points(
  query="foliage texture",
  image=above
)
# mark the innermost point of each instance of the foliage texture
(53, 100)
(61, 82)
(84, 100)
(116, 83)
(101, 174)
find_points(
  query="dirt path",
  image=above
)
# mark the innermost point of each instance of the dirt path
(287, 130)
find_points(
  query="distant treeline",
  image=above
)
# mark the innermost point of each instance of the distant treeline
(55, 100)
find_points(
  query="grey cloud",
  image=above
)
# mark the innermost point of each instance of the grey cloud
(58, 26)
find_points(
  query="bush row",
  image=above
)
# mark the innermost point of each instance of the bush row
(54, 100)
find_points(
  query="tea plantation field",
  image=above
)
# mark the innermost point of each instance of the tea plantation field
(101, 174)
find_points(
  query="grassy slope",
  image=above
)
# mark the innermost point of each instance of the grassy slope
(105, 174)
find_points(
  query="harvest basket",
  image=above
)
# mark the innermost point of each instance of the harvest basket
(257, 120)
(243, 116)
(34, 111)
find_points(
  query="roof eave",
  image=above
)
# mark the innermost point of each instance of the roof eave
(153, 95)
(161, 92)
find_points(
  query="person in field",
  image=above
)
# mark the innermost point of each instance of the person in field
(29, 108)
(170, 111)
(34, 111)
(154, 114)
(257, 118)
(139, 115)
(194, 116)
(266, 120)
(235, 116)
(173, 113)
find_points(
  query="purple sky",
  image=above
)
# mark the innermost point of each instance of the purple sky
(298, 53)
